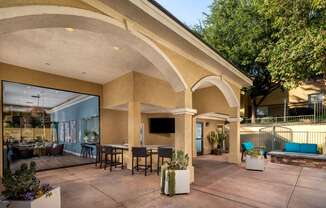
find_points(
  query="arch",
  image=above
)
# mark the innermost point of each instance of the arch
(14, 19)
(223, 86)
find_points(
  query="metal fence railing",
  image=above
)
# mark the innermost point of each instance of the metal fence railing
(275, 139)
(286, 119)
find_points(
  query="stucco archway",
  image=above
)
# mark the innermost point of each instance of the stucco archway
(15, 19)
(223, 86)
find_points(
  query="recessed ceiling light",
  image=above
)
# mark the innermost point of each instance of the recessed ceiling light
(116, 48)
(69, 29)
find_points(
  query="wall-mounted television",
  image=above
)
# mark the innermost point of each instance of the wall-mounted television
(161, 125)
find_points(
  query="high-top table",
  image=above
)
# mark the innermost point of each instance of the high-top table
(150, 147)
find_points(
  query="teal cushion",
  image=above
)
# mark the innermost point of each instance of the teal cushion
(292, 147)
(247, 146)
(308, 148)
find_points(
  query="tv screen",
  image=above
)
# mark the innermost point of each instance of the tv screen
(161, 125)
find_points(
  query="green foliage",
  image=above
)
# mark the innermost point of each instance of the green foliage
(22, 181)
(254, 153)
(171, 181)
(279, 43)
(297, 50)
(212, 138)
(216, 139)
(22, 184)
(221, 138)
(179, 161)
(239, 32)
(86, 133)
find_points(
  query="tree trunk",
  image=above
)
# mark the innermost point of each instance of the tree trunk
(253, 111)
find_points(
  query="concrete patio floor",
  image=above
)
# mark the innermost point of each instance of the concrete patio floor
(218, 184)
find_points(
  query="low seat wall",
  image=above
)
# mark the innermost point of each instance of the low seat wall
(299, 159)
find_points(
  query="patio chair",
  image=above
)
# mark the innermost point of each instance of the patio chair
(248, 146)
(141, 152)
(110, 157)
(163, 152)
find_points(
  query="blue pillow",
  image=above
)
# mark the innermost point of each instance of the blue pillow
(247, 146)
(292, 147)
(308, 148)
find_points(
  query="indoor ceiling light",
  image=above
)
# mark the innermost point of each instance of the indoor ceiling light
(116, 48)
(69, 29)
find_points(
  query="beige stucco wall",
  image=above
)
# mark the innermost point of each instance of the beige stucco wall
(190, 71)
(115, 127)
(153, 91)
(164, 139)
(138, 87)
(67, 3)
(210, 99)
(119, 91)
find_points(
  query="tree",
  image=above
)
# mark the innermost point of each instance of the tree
(297, 49)
(239, 32)
(279, 43)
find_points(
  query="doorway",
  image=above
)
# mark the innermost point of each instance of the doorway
(199, 138)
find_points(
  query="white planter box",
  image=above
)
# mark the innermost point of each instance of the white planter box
(255, 163)
(52, 201)
(182, 182)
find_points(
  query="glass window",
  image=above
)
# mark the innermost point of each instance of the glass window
(48, 126)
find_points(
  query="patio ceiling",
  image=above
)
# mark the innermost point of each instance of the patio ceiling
(74, 53)
(79, 44)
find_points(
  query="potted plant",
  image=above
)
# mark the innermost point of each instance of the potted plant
(86, 135)
(23, 190)
(221, 137)
(175, 177)
(255, 160)
(212, 138)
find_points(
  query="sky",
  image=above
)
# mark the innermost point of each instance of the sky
(188, 11)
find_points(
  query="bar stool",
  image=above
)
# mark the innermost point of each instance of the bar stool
(110, 157)
(163, 153)
(98, 154)
(86, 151)
(141, 152)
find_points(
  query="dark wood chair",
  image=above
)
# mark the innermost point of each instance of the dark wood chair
(138, 153)
(98, 158)
(86, 151)
(163, 153)
(111, 155)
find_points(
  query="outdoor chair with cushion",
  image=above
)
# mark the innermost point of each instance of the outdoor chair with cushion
(138, 153)
(162, 153)
(110, 157)
(248, 146)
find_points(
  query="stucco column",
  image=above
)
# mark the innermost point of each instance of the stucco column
(134, 122)
(1, 139)
(194, 150)
(234, 140)
(184, 117)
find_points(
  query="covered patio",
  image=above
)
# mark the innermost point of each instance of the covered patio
(218, 184)
(141, 67)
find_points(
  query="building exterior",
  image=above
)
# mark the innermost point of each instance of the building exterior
(137, 58)
(307, 99)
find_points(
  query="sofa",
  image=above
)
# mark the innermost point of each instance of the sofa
(55, 149)
(301, 148)
(304, 155)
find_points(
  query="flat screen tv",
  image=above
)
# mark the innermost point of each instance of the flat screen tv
(161, 125)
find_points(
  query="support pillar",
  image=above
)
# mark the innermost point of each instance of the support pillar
(183, 137)
(134, 122)
(234, 140)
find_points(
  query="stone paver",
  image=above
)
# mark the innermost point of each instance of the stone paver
(218, 184)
